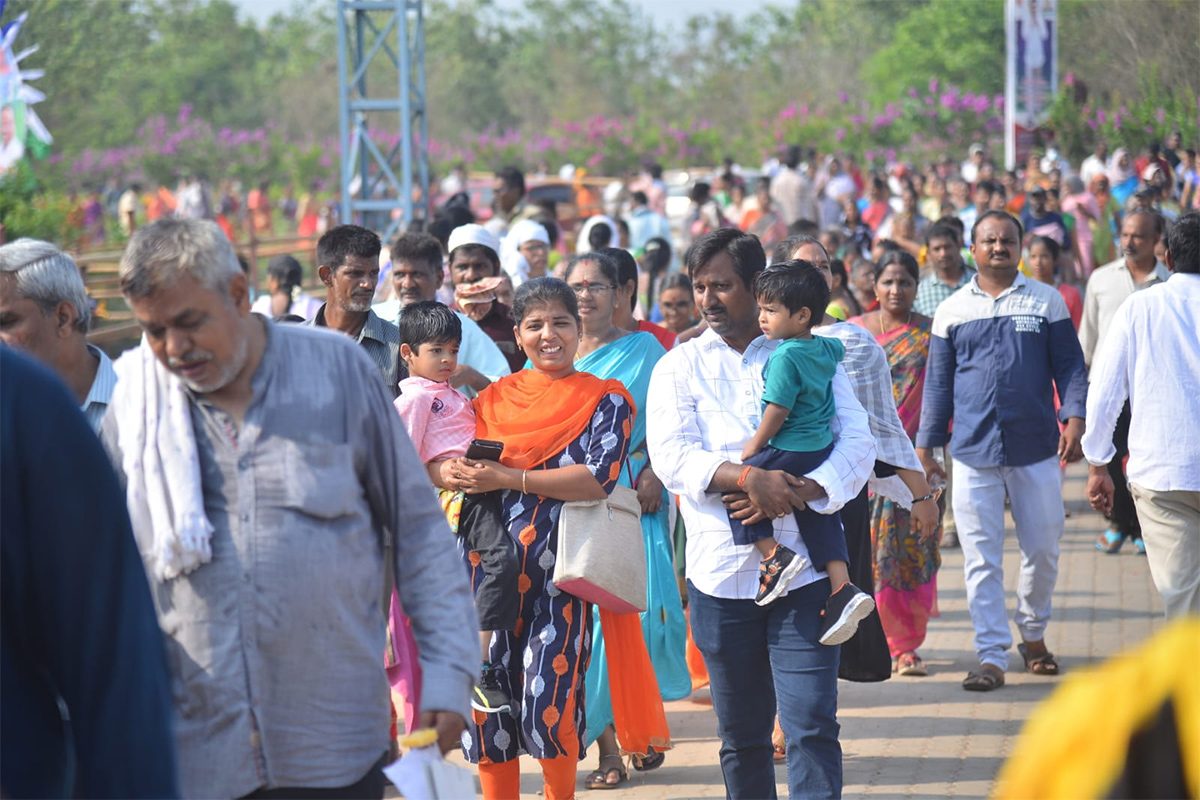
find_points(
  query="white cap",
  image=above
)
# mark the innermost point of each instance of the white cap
(525, 230)
(473, 234)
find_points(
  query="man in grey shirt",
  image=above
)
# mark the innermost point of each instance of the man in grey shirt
(348, 265)
(275, 630)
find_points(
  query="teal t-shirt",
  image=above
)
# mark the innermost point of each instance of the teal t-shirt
(799, 376)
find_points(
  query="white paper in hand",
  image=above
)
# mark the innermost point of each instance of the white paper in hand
(422, 774)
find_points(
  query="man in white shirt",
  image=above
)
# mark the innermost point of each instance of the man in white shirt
(1151, 355)
(129, 207)
(45, 311)
(793, 193)
(704, 405)
(1108, 288)
(416, 275)
(1095, 164)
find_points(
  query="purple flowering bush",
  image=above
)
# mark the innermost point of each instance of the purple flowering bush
(917, 127)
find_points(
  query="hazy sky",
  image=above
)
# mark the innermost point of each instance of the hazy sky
(663, 11)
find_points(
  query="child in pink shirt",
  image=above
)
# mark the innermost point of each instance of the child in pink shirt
(441, 424)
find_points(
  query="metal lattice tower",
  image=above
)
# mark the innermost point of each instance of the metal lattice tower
(370, 188)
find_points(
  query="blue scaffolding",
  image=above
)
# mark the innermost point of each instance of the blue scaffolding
(370, 188)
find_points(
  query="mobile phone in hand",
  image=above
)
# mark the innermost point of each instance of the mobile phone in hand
(485, 450)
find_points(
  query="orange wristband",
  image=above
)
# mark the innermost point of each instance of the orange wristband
(742, 479)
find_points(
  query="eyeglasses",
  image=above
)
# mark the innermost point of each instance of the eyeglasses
(594, 288)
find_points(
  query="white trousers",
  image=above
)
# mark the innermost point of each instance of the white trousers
(1037, 509)
(1171, 530)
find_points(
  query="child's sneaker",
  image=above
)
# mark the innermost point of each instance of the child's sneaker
(490, 696)
(844, 609)
(775, 573)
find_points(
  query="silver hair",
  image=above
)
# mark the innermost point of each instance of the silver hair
(47, 276)
(167, 249)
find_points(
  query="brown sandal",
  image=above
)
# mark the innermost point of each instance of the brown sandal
(1041, 664)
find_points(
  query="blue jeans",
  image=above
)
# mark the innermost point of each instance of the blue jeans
(763, 658)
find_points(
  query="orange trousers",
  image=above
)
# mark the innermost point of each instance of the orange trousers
(503, 781)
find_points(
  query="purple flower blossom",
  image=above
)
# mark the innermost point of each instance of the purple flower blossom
(933, 85)
(840, 135)
(843, 97)
(1160, 115)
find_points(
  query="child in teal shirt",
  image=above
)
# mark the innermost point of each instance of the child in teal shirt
(794, 436)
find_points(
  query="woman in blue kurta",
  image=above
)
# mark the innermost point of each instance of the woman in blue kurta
(608, 352)
(566, 436)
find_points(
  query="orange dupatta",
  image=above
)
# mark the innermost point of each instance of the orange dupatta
(537, 417)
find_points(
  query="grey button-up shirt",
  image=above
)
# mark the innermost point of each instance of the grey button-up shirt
(276, 646)
(381, 340)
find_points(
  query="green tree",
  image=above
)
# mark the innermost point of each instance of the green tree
(960, 42)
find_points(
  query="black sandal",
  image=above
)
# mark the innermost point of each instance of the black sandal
(651, 761)
(986, 679)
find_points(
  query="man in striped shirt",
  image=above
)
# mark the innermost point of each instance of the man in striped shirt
(45, 311)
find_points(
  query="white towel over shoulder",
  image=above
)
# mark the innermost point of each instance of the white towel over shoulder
(161, 465)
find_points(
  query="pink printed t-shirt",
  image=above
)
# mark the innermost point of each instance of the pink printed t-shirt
(439, 420)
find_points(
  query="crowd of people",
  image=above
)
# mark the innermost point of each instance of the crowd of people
(297, 502)
(111, 213)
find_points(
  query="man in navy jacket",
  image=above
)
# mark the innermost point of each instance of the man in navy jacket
(1000, 348)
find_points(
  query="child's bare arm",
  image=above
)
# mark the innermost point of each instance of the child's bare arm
(772, 420)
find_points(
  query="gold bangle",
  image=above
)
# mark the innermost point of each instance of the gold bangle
(524, 472)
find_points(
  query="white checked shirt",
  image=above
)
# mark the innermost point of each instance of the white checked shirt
(704, 404)
(870, 376)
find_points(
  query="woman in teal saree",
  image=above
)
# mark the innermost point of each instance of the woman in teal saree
(608, 352)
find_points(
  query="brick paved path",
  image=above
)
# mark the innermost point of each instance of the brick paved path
(927, 737)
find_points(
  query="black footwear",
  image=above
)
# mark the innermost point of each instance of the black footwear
(844, 609)
(489, 695)
(775, 573)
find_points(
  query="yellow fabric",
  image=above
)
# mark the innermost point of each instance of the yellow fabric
(1075, 743)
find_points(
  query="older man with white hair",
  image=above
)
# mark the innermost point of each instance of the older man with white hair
(45, 311)
(265, 472)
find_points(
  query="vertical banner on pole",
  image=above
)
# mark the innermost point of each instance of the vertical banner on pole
(1031, 73)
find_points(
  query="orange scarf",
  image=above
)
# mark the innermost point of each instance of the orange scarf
(536, 417)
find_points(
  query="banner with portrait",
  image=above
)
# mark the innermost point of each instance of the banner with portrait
(1031, 73)
(20, 127)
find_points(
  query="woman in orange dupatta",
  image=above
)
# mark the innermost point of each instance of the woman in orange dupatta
(566, 437)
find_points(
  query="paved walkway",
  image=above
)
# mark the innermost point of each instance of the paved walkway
(927, 737)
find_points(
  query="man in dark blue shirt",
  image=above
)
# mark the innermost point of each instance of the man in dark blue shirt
(85, 697)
